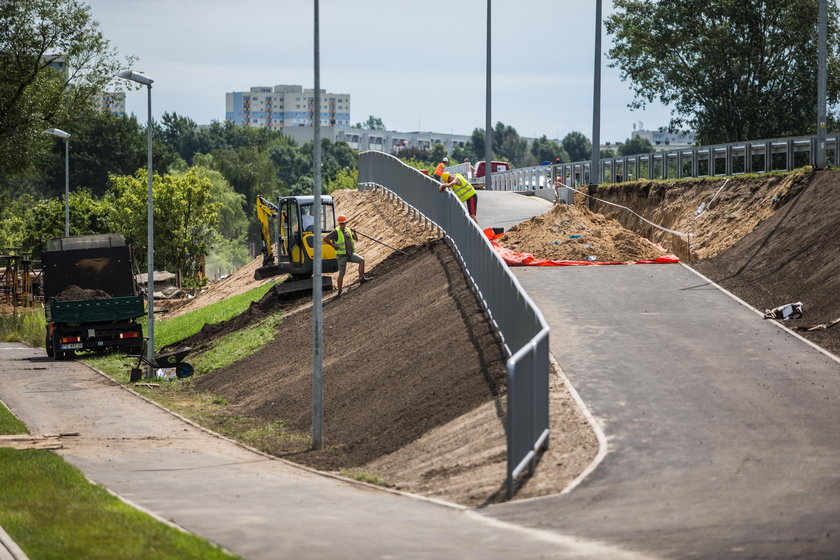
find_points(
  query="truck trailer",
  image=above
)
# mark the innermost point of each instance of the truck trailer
(91, 298)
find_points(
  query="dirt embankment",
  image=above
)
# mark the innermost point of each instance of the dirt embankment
(733, 207)
(771, 240)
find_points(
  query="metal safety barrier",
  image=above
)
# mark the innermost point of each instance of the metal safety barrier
(734, 158)
(520, 323)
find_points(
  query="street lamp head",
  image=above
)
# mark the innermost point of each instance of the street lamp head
(57, 132)
(136, 77)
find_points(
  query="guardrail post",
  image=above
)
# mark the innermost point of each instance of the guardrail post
(727, 166)
(748, 157)
(768, 156)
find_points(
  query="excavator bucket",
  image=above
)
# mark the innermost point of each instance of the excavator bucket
(293, 289)
(264, 272)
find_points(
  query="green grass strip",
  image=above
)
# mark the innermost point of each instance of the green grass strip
(25, 325)
(9, 424)
(53, 512)
(170, 331)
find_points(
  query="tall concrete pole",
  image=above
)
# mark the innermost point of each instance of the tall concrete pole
(819, 159)
(150, 244)
(488, 130)
(67, 187)
(317, 266)
(595, 166)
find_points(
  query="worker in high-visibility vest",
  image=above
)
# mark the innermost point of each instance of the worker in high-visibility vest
(440, 167)
(343, 240)
(463, 190)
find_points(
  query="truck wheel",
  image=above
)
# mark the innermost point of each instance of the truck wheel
(49, 346)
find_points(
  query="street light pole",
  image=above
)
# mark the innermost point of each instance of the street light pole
(317, 266)
(819, 160)
(488, 132)
(595, 165)
(66, 137)
(150, 250)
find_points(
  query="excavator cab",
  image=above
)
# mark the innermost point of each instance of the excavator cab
(295, 221)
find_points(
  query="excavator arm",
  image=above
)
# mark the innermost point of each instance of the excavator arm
(265, 212)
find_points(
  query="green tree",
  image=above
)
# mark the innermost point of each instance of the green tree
(35, 36)
(635, 145)
(291, 163)
(372, 123)
(476, 144)
(460, 153)
(731, 70)
(346, 178)
(414, 152)
(544, 149)
(509, 145)
(577, 146)
(185, 218)
(438, 152)
(42, 220)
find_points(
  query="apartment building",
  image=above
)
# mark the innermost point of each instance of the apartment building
(286, 106)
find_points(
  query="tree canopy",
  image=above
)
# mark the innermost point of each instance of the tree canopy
(731, 70)
(54, 60)
(372, 123)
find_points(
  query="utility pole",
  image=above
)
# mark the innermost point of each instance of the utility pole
(488, 131)
(819, 159)
(595, 164)
(317, 287)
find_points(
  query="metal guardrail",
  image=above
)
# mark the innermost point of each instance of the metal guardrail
(521, 325)
(753, 156)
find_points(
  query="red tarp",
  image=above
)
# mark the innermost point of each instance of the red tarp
(513, 258)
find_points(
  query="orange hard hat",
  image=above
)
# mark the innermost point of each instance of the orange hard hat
(342, 219)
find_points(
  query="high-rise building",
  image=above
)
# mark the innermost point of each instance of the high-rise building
(285, 106)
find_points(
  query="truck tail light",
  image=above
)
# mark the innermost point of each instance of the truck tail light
(130, 335)
(66, 339)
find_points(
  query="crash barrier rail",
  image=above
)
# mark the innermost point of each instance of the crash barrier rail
(520, 323)
(734, 158)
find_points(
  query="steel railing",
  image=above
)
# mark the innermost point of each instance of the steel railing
(751, 156)
(520, 323)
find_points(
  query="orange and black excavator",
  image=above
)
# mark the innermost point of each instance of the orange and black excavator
(294, 219)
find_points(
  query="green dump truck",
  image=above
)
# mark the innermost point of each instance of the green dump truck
(91, 298)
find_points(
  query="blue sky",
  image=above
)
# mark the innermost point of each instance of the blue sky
(416, 65)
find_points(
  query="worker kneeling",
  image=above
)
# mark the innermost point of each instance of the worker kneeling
(343, 239)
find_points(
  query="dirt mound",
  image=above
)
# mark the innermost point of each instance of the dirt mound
(792, 256)
(75, 293)
(385, 382)
(574, 233)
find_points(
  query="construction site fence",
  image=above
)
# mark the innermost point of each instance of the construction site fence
(523, 330)
(734, 158)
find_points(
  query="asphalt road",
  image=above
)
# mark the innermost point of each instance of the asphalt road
(722, 428)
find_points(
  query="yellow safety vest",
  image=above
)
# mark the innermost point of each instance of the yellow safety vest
(339, 240)
(463, 189)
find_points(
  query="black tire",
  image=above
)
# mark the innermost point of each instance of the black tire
(49, 346)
